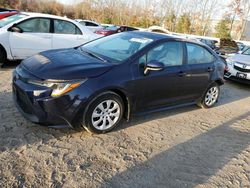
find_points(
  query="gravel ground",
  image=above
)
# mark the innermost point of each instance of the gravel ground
(188, 147)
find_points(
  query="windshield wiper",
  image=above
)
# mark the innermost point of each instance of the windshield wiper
(94, 55)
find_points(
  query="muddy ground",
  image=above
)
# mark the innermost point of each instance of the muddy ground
(187, 147)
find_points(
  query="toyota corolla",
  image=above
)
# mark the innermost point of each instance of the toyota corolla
(95, 85)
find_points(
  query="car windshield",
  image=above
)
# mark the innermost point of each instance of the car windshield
(11, 19)
(118, 47)
(246, 52)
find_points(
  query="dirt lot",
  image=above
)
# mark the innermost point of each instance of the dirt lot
(188, 147)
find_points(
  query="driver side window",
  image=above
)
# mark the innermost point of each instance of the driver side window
(168, 53)
(35, 25)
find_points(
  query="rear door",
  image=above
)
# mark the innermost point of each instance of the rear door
(67, 35)
(36, 37)
(199, 67)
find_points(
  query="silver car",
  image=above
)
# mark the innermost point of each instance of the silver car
(238, 67)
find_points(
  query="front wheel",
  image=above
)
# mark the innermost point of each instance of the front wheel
(210, 97)
(104, 113)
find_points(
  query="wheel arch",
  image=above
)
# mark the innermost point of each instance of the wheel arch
(125, 100)
(120, 93)
(219, 82)
(76, 122)
(5, 51)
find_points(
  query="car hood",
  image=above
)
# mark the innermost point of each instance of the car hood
(65, 64)
(241, 58)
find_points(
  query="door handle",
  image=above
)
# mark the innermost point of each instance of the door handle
(47, 37)
(209, 69)
(80, 38)
(181, 74)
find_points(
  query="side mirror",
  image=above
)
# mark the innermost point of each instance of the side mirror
(15, 29)
(153, 66)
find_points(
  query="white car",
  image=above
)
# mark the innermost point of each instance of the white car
(26, 34)
(238, 67)
(93, 26)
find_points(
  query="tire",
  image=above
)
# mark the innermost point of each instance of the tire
(210, 97)
(3, 56)
(104, 113)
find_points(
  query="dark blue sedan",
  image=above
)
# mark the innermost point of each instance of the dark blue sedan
(97, 84)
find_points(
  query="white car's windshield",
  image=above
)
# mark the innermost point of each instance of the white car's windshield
(247, 52)
(117, 47)
(11, 19)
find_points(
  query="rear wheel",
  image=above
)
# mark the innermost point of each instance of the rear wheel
(104, 113)
(210, 97)
(3, 56)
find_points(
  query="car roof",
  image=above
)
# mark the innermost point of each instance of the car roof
(159, 36)
(34, 14)
(152, 35)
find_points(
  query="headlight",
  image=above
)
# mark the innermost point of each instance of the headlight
(230, 62)
(58, 88)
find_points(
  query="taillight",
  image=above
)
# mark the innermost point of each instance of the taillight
(226, 68)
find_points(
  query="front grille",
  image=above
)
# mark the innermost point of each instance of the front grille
(241, 69)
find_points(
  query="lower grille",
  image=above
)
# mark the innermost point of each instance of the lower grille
(23, 101)
(241, 69)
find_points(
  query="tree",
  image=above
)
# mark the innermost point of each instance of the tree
(183, 24)
(170, 22)
(15, 4)
(235, 10)
(223, 29)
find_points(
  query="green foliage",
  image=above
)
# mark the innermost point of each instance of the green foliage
(223, 29)
(10, 3)
(107, 20)
(183, 24)
(170, 22)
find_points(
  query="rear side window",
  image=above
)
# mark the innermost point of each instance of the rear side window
(36, 25)
(91, 24)
(65, 27)
(168, 53)
(198, 55)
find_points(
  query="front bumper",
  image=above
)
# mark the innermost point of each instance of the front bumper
(238, 74)
(36, 104)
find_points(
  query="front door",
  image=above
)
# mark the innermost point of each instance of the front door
(35, 37)
(160, 88)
